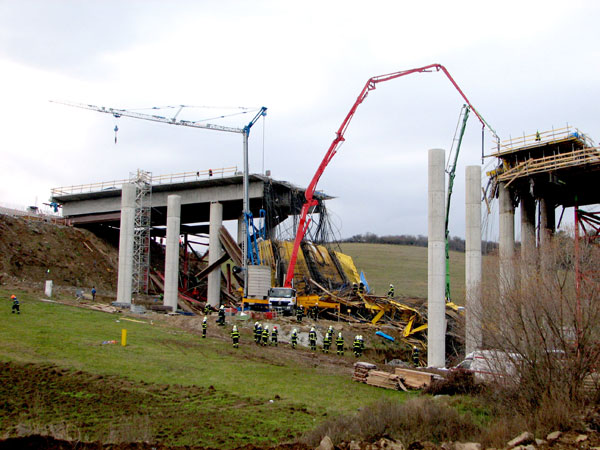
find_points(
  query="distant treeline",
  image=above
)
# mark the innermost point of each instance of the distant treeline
(455, 243)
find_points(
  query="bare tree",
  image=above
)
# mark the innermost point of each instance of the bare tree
(547, 329)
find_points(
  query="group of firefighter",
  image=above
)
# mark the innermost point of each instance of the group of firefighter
(262, 335)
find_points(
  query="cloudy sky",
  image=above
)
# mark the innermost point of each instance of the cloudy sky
(525, 65)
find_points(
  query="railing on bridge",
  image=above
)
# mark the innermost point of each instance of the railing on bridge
(544, 137)
(156, 180)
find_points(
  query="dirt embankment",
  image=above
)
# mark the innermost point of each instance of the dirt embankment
(33, 251)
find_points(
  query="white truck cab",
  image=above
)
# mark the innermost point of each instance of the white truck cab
(283, 299)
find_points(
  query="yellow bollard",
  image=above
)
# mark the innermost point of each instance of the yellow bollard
(123, 337)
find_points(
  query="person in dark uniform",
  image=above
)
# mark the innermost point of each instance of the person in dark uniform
(312, 339)
(339, 342)
(15, 304)
(415, 356)
(326, 342)
(362, 344)
(257, 332)
(265, 336)
(235, 337)
(356, 346)
(204, 326)
(274, 334)
(294, 338)
(221, 320)
(299, 313)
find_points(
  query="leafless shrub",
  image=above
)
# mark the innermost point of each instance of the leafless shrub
(548, 328)
(457, 382)
(418, 419)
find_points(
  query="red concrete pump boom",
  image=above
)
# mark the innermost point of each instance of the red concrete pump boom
(339, 138)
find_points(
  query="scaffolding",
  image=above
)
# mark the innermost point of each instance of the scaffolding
(141, 230)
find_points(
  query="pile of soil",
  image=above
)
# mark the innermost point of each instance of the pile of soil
(32, 251)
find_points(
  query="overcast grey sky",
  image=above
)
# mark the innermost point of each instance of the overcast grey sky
(525, 65)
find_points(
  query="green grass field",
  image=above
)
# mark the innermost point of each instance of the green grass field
(405, 267)
(182, 389)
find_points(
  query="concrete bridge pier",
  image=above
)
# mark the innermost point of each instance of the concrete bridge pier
(473, 332)
(436, 260)
(528, 246)
(506, 245)
(125, 275)
(172, 251)
(214, 253)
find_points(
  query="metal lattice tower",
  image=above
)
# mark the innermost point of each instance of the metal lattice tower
(141, 230)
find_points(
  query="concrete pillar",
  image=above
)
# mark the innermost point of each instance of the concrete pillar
(547, 221)
(124, 282)
(506, 247)
(436, 261)
(473, 333)
(528, 248)
(214, 253)
(172, 253)
(48, 288)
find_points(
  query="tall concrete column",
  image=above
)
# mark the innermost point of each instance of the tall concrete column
(547, 221)
(125, 275)
(436, 261)
(473, 333)
(214, 253)
(528, 248)
(506, 247)
(172, 253)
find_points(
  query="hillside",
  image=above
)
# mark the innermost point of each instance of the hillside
(403, 266)
(32, 251)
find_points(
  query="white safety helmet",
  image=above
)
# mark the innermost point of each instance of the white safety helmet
(266, 327)
(340, 334)
(294, 331)
(222, 307)
(235, 328)
(360, 337)
(204, 320)
(256, 324)
(312, 328)
(391, 285)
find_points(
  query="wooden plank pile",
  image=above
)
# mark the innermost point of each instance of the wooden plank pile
(385, 380)
(414, 379)
(361, 371)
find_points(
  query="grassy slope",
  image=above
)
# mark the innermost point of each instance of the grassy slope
(71, 338)
(405, 267)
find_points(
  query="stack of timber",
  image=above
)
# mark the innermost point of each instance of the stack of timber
(385, 380)
(361, 371)
(414, 379)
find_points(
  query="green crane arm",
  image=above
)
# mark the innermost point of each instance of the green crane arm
(451, 173)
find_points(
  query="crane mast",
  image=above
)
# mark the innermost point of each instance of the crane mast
(339, 138)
